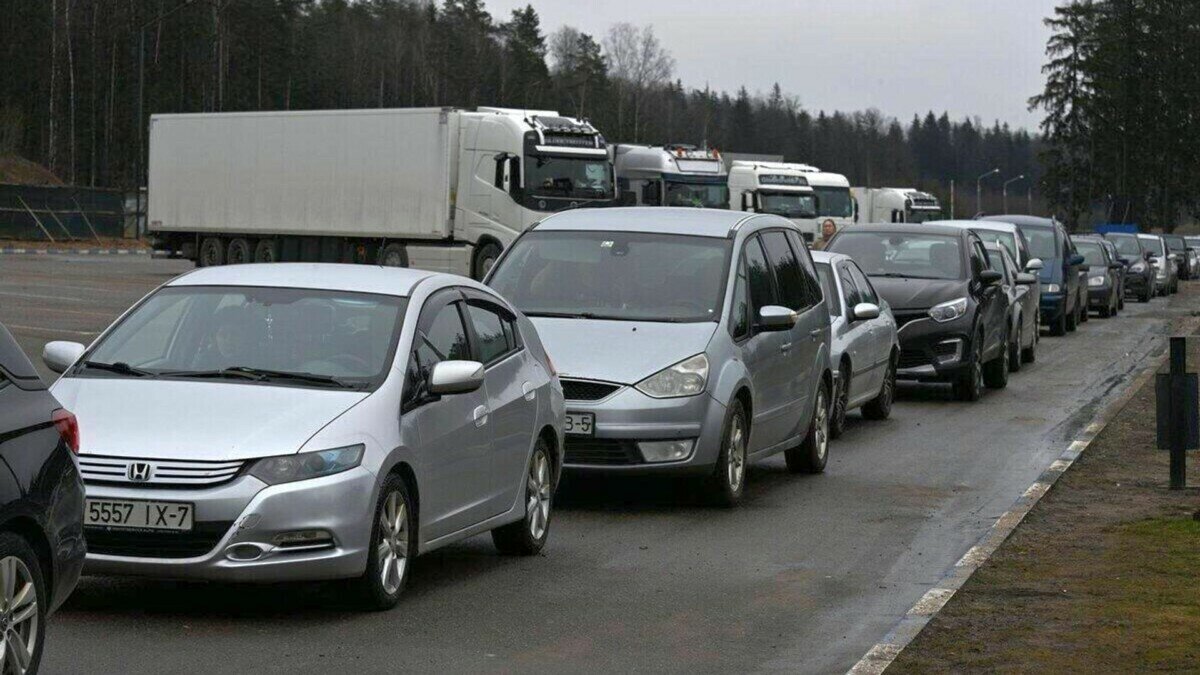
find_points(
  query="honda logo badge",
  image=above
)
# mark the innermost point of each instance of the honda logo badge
(139, 472)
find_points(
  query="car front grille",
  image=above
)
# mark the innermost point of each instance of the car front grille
(906, 316)
(587, 390)
(156, 543)
(912, 358)
(601, 452)
(99, 469)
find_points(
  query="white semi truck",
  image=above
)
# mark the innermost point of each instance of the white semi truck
(894, 205)
(434, 188)
(670, 175)
(774, 187)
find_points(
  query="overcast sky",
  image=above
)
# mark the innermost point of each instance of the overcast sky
(978, 58)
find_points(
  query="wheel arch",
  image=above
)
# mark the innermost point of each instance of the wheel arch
(28, 529)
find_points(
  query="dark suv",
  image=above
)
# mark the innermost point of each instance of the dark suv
(1064, 284)
(41, 506)
(952, 313)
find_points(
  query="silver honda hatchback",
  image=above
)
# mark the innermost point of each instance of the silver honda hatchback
(303, 421)
(688, 340)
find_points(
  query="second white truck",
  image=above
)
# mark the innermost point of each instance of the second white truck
(434, 188)
(894, 205)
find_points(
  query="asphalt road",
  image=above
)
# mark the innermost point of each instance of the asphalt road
(638, 576)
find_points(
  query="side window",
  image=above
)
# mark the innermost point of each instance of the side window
(979, 258)
(494, 333)
(787, 270)
(739, 313)
(808, 272)
(758, 274)
(849, 286)
(444, 338)
(865, 289)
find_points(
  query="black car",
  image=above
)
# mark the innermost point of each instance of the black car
(1139, 273)
(41, 506)
(1064, 286)
(952, 313)
(1104, 275)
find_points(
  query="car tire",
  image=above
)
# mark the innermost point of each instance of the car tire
(1145, 295)
(239, 252)
(485, 256)
(880, 407)
(1072, 320)
(212, 252)
(528, 535)
(812, 453)
(25, 612)
(727, 483)
(995, 372)
(393, 255)
(266, 251)
(393, 546)
(1121, 300)
(1059, 327)
(1105, 312)
(1084, 314)
(1029, 354)
(841, 401)
(969, 384)
(1014, 352)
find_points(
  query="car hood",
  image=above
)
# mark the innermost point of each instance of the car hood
(904, 294)
(619, 351)
(172, 419)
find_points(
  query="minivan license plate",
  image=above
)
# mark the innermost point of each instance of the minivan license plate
(580, 424)
(139, 514)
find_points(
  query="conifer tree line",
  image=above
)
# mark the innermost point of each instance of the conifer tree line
(81, 77)
(1122, 112)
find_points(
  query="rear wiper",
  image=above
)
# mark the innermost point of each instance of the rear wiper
(264, 375)
(119, 367)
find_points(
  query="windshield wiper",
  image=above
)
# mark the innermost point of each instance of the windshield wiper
(119, 367)
(561, 315)
(265, 375)
(898, 275)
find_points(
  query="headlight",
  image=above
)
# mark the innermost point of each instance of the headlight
(289, 468)
(1137, 267)
(1051, 288)
(1097, 281)
(948, 311)
(686, 378)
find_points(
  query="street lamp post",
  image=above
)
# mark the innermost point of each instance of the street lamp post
(979, 189)
(1004, 190)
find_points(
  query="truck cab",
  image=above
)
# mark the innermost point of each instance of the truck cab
(894, 205)
(670, 175)
(777, 188)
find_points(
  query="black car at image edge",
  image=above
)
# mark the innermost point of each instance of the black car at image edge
(41, 507)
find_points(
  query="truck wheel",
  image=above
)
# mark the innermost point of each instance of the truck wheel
(212, 252)
(485, 257)
(394, 255)
(238, 252)
(266, 250)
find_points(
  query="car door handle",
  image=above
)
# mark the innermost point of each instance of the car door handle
(481, 415)
(785, 347)
(529, 391)
(815, 333)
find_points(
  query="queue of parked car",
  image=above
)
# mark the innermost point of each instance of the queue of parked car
(306, 421)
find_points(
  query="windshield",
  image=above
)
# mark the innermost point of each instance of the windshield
(829, 288)
(788, 204)
(920, 256)
(1155, 245)
(548, 176)
(699, 195)
(204, 329)
(1041, 242)
(628, 276)
(1127, 246)
(1006, 239)
(1193, 242)
(922, 215)
(1176, 243)
(1092, 253)
(834, 202)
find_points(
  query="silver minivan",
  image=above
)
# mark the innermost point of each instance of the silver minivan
(687, 340)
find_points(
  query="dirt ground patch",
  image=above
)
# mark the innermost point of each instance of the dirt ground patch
(1102, 576)
(78, 244)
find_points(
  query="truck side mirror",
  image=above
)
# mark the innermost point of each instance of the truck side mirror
(650, 194)
(745, 201)
(513, 176)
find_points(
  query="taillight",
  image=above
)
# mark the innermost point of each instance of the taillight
(68, 428)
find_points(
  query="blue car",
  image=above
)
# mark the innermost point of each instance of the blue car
(1064, 293)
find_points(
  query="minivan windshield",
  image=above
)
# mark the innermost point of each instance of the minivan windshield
(1127, 245)
(292, 336)
(1041, 242)
(1093, 254)
(902, 254)
(625, 276)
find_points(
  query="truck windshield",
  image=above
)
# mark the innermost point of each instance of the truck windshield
(699, 195)
(577, 177)
(922, 215)
(624, 276)
(788, 204)
(834, 202)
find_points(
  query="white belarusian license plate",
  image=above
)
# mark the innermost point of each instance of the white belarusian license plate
(138, 514)
(580, 424)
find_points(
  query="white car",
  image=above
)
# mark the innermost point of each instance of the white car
(304, 421)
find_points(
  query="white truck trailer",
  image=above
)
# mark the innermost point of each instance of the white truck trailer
(774, 187)
(434, 188)
(670, 175)
(894, 205)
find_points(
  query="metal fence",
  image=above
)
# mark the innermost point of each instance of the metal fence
(40, 213)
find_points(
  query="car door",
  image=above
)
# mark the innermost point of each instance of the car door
(805, 337)
(992, 300)
(450, 435)
(857, 336)
(1072, 272)
(765, 353)
(881, 331)
(511, 395)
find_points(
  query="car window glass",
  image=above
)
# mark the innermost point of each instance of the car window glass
(758, 274)
(813, 290)
(444, 340)
(849, 287)
(493, 339)
(787, 270)
(740, 312)
(902, 254)
(152, 340)
(865, 290)
(1093, 254)
(829, 287)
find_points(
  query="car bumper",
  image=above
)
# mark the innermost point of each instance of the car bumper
(1135, 283)
(66, 533)
(1052, 306)
(235, 525)
(1099, 296)
(629, 417)
(933, 352)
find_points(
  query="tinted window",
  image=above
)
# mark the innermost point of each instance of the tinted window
(787, 270)
(615, 275)
(825, 274)
(1041, 242)
(813, 293)
(902, 254)
(446, 338)
(758, 274)
(740, 312)
(864, 285)
(849, 286)
(980, 260)
(493, 334)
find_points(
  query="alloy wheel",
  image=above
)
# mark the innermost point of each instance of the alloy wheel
(537, 501)
(821, 422)
(977, 365)
(18, 616)
(392, 549)
(735, 465)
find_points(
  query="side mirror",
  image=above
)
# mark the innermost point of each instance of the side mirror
(1075, 259)
(774, 317)
(1034, 265)
(1172, 256)
(990, 277)
(60, 355)
(1123, 260)
(1147, 255)
(865, 310)
(1026, 279)
(455, 377)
